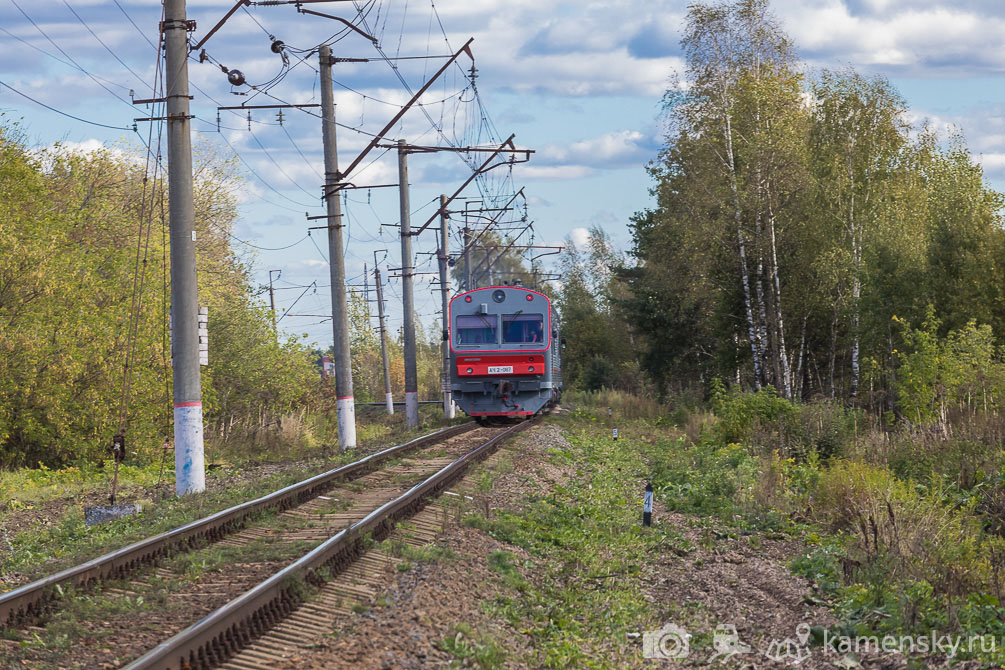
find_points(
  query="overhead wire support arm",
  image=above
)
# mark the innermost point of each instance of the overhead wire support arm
(349, 185)
(219, 24)
(483, 168)
(347, 23)
(275, 3)
(471, 243)
(477, 211)
(248, 3)
(311, 104)
(390, 124)
(418, 149)
(511, 245)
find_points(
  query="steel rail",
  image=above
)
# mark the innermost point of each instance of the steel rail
(221, 634)
(27, 601)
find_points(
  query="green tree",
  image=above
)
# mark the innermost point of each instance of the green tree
(599, 344)
(84, 290)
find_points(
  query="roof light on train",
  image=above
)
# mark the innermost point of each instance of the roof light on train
(467, 298)
(530, 296)
(530, 369)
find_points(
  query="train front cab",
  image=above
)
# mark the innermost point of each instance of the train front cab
(504, 344)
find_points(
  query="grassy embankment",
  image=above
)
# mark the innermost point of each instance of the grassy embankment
(901, 528)
(58, 537)
(904, 524)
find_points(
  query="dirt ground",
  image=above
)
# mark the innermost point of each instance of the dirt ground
(725, 580)
(731, 581)
(423, 606)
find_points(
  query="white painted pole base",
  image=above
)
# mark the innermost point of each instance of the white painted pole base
(189, 462)
(389, 399)
(346, 408)
(448, 405)
(411, 409)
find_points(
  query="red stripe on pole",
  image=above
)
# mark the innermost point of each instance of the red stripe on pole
(191, 403)
(344, 397)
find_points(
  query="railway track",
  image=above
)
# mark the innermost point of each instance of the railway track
(340, 527)
(220, 636)
(28, 601)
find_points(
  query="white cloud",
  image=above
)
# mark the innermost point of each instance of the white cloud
(911, 37)
(580, 237)
(307, 264)
(615, 148)
(553, 171)
(85, 147)
(992, 162)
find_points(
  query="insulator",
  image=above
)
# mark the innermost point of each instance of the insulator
(236, 78)
(277, 46)
(119, 447)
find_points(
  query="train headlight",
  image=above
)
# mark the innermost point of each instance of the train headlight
(499, 295)
(467, 298)
(530, 369)
(529, 297)
(470, 371)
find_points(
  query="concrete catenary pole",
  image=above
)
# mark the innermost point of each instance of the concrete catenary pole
(272, 303)
(444, 258)
(340, 314)
(388, 398)
(190, 472)
(467, 258)
(407, 298)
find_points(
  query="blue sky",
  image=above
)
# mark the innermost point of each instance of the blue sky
(578, 82)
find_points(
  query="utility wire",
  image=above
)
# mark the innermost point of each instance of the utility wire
(58, 111)
(254, 172)
(107, 48)
(70, 58)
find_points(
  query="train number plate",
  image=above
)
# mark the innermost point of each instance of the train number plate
(500, 369)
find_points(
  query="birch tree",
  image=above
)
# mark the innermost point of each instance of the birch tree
(858, 134)
(742, 105)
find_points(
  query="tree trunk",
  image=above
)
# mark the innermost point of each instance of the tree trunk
(798, 385)
(763, 342)
(744, 277)
(834, 321)
(783, 358)
(856, 282)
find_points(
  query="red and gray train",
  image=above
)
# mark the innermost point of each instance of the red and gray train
(506, 353)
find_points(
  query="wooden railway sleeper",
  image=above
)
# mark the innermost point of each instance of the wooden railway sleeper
(335, 554)
(30, 601)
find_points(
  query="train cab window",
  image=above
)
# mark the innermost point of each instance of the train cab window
(523, 328)
(476, 329)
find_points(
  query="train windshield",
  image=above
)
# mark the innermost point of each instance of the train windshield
(523, 328)
(477, 329)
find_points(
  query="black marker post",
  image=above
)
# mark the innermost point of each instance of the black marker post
(647, 506)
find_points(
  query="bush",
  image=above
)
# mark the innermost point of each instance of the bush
(750, 417)
(908, 532)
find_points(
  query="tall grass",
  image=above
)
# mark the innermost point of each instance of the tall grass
(624, 405)
(917, 511)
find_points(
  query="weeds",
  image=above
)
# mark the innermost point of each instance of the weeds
(470, 648)
(579, 593)
(905, 524)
